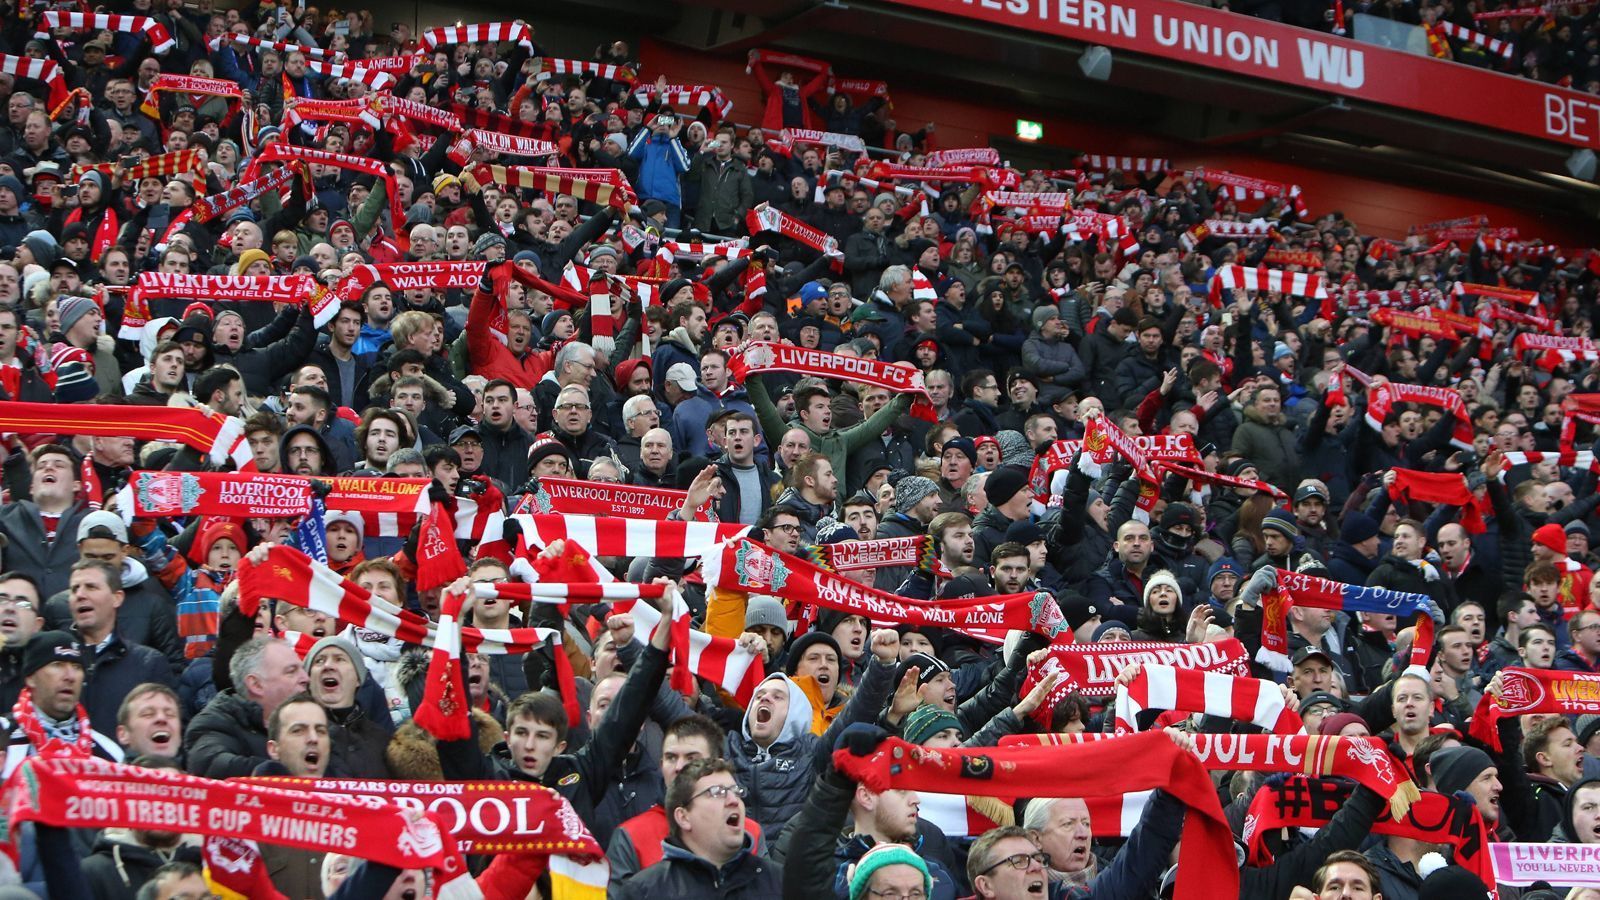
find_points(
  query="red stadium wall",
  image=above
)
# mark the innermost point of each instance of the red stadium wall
(1378, 207)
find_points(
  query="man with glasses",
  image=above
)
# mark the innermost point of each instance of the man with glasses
(19, 620)
(708, 852)
(573, 416)
(574, 364)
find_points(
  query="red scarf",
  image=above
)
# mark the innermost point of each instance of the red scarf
(1440, 487)
(444, 710)
(606, 187)
(1206, 866)
(105, 233)
(765, 218)
(26, 715)
(220, 437)
(258, 495)
(1302, 802)
(1251, 700)
(1363, 759)
(566, 495)
(1382, 397)
(1091, 669)
(764, 356)
(611, 536)
(439, 560)
(93, 793)
(1525, 691)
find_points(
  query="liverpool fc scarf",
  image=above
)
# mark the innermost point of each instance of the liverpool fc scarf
(764, 356)
(609, 536)
(1439, 487)
(708, 97)
(1525, 691)
(1100, 768)
(444, 709)
(1250, 700)
(1362, 759)
(606, 187)
(1382, 397)
(858, 556)
(1244, 187)
(566, 495)
(281, 152)
(473, 139)
(719, 660)
(93, 793)
(434, 275)
(743, 565)
(75, 741)
(1091, 669)
(220, 437)
(1302, 802)
(280, 46)
(766, 218)
(161, 495)
(1515, 295)
(1299, 589)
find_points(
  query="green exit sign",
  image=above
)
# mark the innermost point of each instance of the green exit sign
(1029, 131)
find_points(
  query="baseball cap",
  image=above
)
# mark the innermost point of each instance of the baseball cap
(103, 524)
(682, 375)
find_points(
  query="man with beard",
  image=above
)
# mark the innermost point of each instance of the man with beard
(1310, 513)
(951, 534)
(1116, 588)
(356, 743)
(310, 405)
(812, 494)
(124, 860)
(304, 452)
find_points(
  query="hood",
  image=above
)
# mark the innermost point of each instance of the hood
(797, 723)
(680, 336)
(147, 342)
(1251, 414)
(624, 372)
(283, 448)
(133, 573)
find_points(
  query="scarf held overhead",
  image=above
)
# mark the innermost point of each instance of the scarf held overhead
(1206, 866)
(253, 494)
(1524, 691)
(1298, 589)
(221, 438)
(765, 356)
(1251, 700)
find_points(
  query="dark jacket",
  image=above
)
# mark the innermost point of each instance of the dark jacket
(680, 875)
(49, 562)
(356, 744)
(1347, 830)
(119, 866)
(988, 532)
(262, 366)
(583, 777)
(118, 668)
(778, 777)
(1271, 445)
(728, 506)
(1102, 353)
(323, 358)
(505, 453)
(228, 739)
(148, 617)
(1346, 564)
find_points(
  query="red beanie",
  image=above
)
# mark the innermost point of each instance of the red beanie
(1552, 536)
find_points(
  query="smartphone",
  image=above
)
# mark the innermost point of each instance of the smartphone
(69, 190)
(128, 162)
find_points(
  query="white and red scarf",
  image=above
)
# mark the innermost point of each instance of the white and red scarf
(154, 32)
(476, 33)
(765, 218)
(1092, 669)
(1233, 277)
(44, 70)
(764, 356)
(26, 716)
(1251, 700)
(1381, 398)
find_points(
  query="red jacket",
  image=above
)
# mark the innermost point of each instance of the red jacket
(773, 119)
(492, 359)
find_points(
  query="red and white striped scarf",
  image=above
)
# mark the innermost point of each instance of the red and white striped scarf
(1112, 230)
(1143, 164)
(608, 71)
(922, 288)
(1515, 295)
(39, 70)
(1236, 277)
(670, 251)
(162, 165)
(1555, 351)
(372, 78)
(290, 576)
(1244, 187)
(310, 50)
(765, 218)
(585, 184)
(1478, 39)
(719, 660)
(476, 33)
(1578, 459)
(611, 536)
(154, 32)
(212, 205)
(1250, 700)
(282, 152)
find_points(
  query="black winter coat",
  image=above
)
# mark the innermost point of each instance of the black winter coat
(680, 875)
(117, 669)
(228, 739)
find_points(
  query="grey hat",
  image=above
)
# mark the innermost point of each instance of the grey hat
(910, 490)
(764, 610)
(14, 184)
(1455, 768)
(602, 250)
(70, 309)
(487, 240)
(1587, 727)
(42, 244)
(1014, 449)
(1045, 313)
(333, 642)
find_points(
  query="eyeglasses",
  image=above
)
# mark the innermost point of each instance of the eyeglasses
(787, 526)
(568, 406)
(1020, 861)
(6, 600)
(720, 791)
(892, 894)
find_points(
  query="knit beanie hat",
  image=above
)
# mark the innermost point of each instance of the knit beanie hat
(71, 309)
(1003, 484)
(1551, 535)
(1014, 449)
(928, 668)
(42, 244)
(1357, 527)
(1160, 577)
(487, 240)
(1281, 522)
(860, 874)
(249, 257)
(926, 721)
(764, 610)
(47, 647)
(909, 491)
(1455, 768)
(797, 650)
(1452, 883)
(338, 643)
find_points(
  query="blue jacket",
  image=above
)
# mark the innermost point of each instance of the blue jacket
(369, 342)
(689, 417)
(661, 161)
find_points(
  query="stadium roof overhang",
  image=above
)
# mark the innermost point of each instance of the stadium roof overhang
(970, 50)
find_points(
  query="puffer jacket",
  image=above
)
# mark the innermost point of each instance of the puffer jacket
(1053, 360)
(988, 532)
(681, 874)
(228, 739)
(778, 777)
(1271, 445)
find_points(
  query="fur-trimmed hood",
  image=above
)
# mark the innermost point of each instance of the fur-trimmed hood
(412, 753)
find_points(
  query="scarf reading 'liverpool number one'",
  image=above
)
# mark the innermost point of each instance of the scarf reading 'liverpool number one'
(1205, 856)
(1524, 691)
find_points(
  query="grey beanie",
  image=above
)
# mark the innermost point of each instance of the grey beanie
(1014, 449)
(910, 490)
(94, 176)
(1044, 313)
(764, 610)
(14, 184)
(70, 309)
(333, 642)
(485, 241)
(42, 244)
